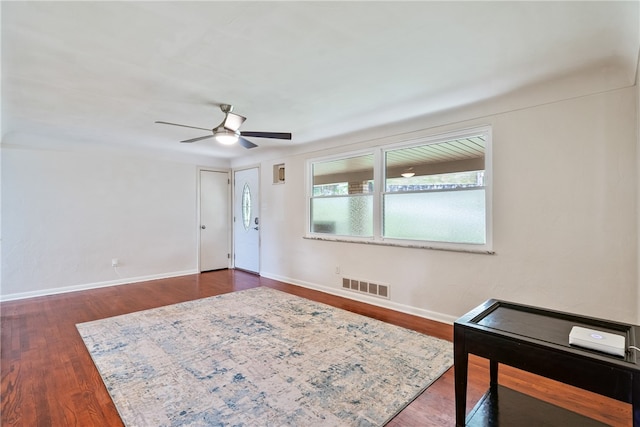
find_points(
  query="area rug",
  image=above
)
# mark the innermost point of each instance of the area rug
(260, 357)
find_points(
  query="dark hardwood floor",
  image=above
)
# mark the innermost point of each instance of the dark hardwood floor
(49, 379)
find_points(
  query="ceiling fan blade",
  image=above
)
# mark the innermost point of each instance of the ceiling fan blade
(275, 135)
(198, 139)
(246, 143)
(233, 121)
(184, 126)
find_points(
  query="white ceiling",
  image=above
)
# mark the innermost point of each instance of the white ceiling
(102, 72)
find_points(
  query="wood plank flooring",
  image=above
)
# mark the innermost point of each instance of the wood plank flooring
(49, 379)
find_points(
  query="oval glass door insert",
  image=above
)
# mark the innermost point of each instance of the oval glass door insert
(246, 206)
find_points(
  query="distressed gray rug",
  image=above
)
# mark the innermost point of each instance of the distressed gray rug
(260, 357)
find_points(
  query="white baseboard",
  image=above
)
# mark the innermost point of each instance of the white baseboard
(95, 285)
(427, 314)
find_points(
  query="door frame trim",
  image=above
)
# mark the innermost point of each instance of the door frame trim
(199, 169)
(233, 204)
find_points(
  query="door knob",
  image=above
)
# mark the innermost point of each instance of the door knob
(203, 226)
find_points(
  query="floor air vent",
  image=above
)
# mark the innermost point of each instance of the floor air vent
(369, 288)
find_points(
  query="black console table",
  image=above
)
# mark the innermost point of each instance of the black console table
(537, 340)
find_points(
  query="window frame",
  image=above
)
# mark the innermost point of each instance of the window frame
(309, 196)
(379, 190)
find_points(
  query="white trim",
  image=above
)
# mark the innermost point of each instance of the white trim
(402, 308)
(378, 190)
(95, 285)
(379, 151)
(309, 183)
(396, 243)
(488, 187)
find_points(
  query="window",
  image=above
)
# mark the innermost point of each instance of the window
(342, 196)
(441, 196)
(430, 192)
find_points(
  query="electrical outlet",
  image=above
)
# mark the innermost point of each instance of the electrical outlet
(114, 262)
(337, 269)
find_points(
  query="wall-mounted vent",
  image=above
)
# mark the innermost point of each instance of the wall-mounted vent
(278, 173)
(369, 288)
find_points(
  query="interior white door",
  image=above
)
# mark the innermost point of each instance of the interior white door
(214, 220)
(246, 220)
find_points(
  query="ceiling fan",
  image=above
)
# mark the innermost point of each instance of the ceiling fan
(228, 131)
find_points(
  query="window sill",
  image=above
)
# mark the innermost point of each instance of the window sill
(401, 245)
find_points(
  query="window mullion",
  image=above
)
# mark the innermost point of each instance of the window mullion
(378, 190)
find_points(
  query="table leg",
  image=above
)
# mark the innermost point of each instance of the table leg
(493, 375)
(635, 400)
(461, 362)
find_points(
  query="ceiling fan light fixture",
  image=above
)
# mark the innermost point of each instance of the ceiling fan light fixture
(226, 137)
(228, 132)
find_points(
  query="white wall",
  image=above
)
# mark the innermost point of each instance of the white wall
(565, 219)
(66, 214)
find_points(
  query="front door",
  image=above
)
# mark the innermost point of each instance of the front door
(246, 220)
(214, 220)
